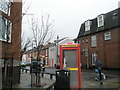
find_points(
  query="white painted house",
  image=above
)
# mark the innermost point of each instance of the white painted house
(54, 54)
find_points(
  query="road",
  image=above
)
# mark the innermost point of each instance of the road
(88, 81)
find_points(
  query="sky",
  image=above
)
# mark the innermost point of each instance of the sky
(68, 15)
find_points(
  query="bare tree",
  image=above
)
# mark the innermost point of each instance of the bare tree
(25, 44)
(42, 33)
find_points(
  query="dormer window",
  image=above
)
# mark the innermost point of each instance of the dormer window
(87, 25)
(115, 14)
(100, 20)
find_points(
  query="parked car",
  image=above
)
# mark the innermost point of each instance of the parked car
(28, 63)
(57, 66)
(22, 64)
(36, 64)
(25, 63)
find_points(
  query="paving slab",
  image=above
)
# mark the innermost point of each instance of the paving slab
(88, 82)
(25, 81)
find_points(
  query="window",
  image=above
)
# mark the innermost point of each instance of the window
(78, 42)
(107, 35)
(83, 41)
(87, 25)
(93, 41)
(94, 58)
(115, 15)
(5, 29)
(32, 54)
(86, 40)
(53, 49)
(50, 49)
(5, 6)
(100, 20)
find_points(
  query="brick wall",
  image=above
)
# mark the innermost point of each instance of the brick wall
(14, 46)
(107, 51)
(15, 17)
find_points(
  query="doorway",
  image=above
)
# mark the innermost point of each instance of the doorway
(94, 58)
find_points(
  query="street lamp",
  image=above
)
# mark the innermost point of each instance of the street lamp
(27, 14)
(57, 58)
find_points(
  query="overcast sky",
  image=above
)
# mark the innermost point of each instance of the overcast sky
(68, 14)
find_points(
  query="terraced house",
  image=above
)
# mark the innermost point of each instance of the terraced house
(10, 37)
(99, 39)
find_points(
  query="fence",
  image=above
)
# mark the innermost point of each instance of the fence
(7, 71)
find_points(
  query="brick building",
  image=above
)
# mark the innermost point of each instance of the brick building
(99, 40)
(10, 36)
(31, 54)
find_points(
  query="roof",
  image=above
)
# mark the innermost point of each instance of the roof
(67, 40)
(54, 43)
(111, 20)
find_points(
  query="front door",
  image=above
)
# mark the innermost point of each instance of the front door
(70, 62)
(94, 58)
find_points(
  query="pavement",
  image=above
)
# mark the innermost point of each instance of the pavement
(88, 82)
(25, 81)
(112, 79)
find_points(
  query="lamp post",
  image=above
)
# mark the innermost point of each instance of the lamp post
(57, 58)
(32, 76)
(26, 14)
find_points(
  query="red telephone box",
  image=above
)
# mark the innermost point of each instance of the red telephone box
(70, 59)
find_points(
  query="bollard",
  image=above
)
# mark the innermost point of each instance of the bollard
(100, 77)
(42, 74)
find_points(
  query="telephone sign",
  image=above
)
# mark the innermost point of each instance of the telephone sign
(70, 59)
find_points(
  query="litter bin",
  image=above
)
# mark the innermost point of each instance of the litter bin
(62, 79)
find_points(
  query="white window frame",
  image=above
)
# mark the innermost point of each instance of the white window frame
(87, 25)
(93, 41)
(107, 35)
(86, 40)
(100, 20)
(3, 33)
(5, 6)
(83, 41)
(78, 42)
